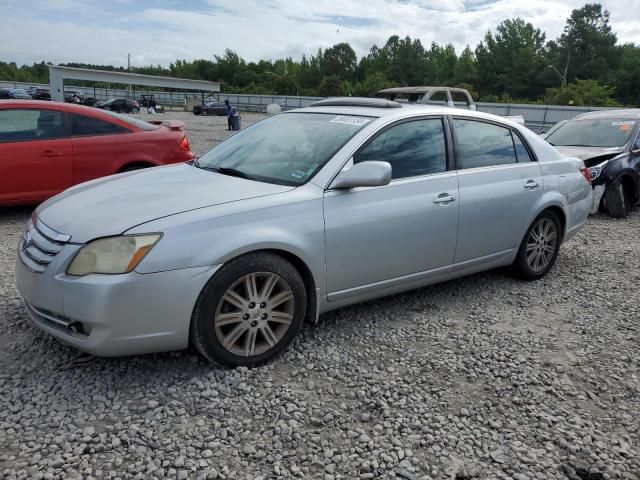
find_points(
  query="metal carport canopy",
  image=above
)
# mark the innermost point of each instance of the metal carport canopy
(58, 74)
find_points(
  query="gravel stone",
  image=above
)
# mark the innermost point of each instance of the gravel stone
(484, 377)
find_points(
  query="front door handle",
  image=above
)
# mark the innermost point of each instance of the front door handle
(50, 153)
(531, 184)
(444, 198)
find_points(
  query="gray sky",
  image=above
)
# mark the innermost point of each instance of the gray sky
(159, 32)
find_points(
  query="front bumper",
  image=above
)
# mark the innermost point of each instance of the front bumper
(112, 315)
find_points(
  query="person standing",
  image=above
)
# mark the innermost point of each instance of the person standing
(230, 114)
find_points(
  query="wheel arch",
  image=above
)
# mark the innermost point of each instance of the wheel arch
(135, 164)
(630, 185)
(307, 277)
(300, 265)
(560, 214)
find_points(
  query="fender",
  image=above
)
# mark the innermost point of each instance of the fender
(215, 235)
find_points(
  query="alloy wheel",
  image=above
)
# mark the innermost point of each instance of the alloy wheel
(541, 244)
(254, 314)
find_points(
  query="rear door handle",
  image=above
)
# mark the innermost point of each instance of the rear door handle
(444, 198)
(531, 184)
(50, 153)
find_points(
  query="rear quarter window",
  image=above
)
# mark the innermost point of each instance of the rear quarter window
(132, 121)
(82, 126)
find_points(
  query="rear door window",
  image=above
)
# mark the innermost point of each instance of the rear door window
(18, 125)
(483, 144)
(82, 126)
(522, 153)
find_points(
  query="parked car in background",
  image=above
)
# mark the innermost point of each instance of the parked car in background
(298, 214)
(608, 143)
(46, 147)
(4, 93)
(210, 108)
(15, 93)
(120, 105)
(443, 96)
(544, 132)
(40, 93)
(71, 95)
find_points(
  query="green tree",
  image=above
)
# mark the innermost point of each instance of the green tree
(583, 92)
(285, 85)
(465, 69)
(441, 65)
(627, 75)
(330, 86)
(340, 61)
(586, 48)
(510, 61)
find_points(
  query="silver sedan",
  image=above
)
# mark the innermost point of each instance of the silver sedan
(299, 214)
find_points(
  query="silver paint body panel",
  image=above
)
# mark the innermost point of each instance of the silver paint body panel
(358, 244)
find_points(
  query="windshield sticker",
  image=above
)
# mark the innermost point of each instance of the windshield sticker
(624, 128)
(298, 174)
(625, 122)
(311, 169)
(349, 120)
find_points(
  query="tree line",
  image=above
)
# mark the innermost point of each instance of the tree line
(585, 65)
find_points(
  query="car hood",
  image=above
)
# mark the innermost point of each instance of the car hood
(591, 155)
(112, 205)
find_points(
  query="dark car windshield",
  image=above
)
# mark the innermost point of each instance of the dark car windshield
(600, 132)
(286, 149)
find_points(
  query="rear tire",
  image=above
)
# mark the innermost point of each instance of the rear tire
(135, 110)
(249, 311)
(616, 200)
(539, 248)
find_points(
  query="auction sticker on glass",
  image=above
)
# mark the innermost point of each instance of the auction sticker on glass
(349, 120)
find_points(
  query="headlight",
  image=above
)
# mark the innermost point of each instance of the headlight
(597, 170)
(112, 254)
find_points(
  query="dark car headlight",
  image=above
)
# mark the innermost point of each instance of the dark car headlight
(597, 170)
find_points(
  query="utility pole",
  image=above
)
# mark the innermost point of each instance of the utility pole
(563, 78)
(128, 62)
(566, 67)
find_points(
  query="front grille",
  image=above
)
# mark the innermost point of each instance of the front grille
(39, 245)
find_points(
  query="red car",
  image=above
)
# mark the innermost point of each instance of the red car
(46, 147)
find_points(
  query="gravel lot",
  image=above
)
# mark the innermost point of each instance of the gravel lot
(485, 377)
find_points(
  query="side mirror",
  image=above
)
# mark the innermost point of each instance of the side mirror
(365, 174)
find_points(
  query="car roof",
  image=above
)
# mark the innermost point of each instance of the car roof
(405, 110)
(619, 113)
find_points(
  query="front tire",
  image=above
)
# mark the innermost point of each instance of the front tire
(616, 200)
(539, 248)
(249, 311)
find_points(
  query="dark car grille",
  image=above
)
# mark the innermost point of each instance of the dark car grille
(39, 245)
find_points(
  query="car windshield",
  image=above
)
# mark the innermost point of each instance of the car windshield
(601, 132)
(286, 149)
